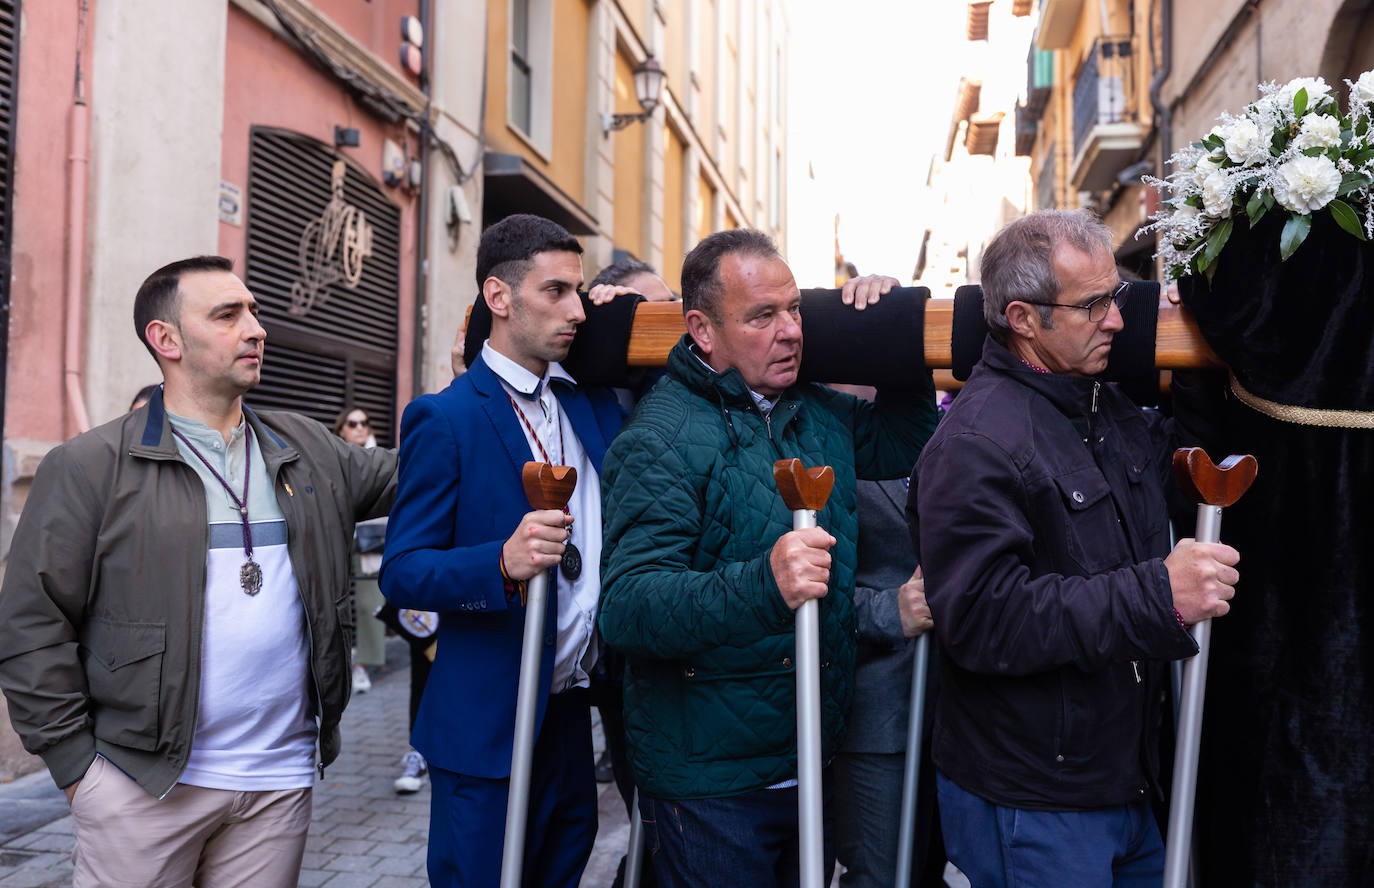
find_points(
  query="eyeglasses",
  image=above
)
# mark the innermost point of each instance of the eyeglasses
(357, 423)
(1098, 308)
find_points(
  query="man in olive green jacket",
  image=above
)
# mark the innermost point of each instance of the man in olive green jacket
(175, 616)
(702, 573)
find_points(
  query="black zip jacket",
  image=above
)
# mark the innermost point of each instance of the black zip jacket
(1039, 512)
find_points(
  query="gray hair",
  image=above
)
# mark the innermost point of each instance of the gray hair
(1017, 265)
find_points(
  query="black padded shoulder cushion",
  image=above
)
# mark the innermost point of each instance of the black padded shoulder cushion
(597, 356)
(1133, 349)
(883, 344)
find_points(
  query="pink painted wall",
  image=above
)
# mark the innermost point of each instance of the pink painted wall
(47, 51)
(258, 64)
(375, 24)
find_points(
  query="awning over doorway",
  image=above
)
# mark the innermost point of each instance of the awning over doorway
(513, 185)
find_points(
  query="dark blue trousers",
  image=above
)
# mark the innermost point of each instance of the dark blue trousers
(999, 847)
(467, 818)
(748, 840)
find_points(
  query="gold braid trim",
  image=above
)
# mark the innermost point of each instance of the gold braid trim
(1312, 416)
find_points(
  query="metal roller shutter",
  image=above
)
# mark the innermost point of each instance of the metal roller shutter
(338, 348)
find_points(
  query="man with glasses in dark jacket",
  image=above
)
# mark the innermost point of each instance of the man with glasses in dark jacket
(1039, 512)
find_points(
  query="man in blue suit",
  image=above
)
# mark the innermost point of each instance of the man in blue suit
(463, 542)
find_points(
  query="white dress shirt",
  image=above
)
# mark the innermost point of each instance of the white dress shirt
(576, 646)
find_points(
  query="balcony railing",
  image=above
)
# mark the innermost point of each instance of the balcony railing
(1026, 129)
(1104, 87)
(1039, 80)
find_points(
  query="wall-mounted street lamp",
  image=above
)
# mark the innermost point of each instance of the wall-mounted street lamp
(648, 77)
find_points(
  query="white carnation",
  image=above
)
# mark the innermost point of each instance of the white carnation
(1305, 184)
(1318, 131)
(1205, 167)
(1243, 142)
(1362, 90)
(1316, 91)
(1216, 196)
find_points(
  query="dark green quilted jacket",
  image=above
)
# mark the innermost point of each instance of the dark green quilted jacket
(690, 515)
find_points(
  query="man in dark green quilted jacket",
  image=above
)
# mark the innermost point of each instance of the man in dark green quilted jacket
(702, 573)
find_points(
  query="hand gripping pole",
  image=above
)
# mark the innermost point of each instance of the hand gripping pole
(547, 487)
(805, 491)
(1212, 488)
(906, 833)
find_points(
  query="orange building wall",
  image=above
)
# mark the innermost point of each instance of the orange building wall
(258, 63)
(566, 165)
(705, 120)
(673, 159)
(629, 164)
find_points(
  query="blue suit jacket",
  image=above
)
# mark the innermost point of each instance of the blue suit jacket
(458, 500)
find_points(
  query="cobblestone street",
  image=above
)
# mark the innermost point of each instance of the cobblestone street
(363, 834)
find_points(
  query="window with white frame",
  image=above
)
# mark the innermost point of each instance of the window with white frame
(529, 84)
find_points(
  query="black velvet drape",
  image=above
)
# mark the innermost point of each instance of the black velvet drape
(1286, 785)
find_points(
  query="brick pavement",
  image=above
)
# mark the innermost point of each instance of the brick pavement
(362, 834)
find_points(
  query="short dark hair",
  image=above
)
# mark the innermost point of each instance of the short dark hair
(617, 273)
(159, 298)
(508, 247)
(701, 284)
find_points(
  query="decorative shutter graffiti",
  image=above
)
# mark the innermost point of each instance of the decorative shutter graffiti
(342, 351)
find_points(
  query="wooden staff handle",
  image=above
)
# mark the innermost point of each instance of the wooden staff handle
(546, 486)
(803, 488)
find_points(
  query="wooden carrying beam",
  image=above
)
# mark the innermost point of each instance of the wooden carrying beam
(1178, 343)
(882, 344)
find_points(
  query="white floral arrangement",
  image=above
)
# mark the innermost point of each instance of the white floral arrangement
(1292, 150)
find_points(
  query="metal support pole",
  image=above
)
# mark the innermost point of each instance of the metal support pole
(634, 858)
(522, 755)
(808, 664)
(1178, 845)
(906, 834)
(546, 487)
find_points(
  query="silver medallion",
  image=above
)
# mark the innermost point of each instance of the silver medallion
(571, 564)
(250, 577)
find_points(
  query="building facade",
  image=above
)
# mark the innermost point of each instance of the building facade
(1114, 87)
(980, 181)
(345, 154)
(710, 156)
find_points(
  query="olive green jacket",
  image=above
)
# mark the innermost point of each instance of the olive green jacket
(104, 595)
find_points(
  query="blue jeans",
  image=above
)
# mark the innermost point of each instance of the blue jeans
(996, 846)
(749, 840)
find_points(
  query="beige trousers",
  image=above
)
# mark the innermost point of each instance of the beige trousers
(210, 838)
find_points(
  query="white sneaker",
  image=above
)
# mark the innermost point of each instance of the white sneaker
(413, 771)
(361, 683)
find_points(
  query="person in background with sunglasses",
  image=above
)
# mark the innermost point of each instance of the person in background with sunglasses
(1039, 515)
(354, 427)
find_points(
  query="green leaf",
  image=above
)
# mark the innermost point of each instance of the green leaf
(1346, 218)
(1199, 145)
(1294, 233)
(1269, 200)
(1215, 241)
(1314, 151)
(1363, 158)
(1255, 208)
(1352, 182)
(1300, 102)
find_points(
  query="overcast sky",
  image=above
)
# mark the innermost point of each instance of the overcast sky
(871, 88)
